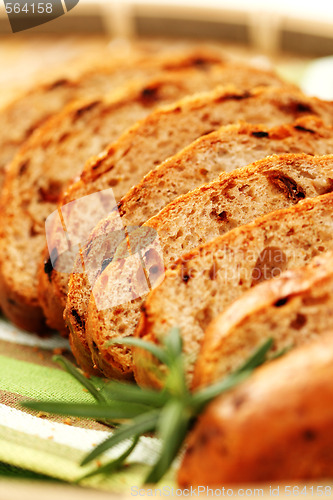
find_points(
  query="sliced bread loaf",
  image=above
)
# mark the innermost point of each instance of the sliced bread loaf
(22, 116)
(275, 426)
(209, 278)
(224, 150)
(152, 93)
(196, 218)
(163, 134)
(291, 309)
(32, 191)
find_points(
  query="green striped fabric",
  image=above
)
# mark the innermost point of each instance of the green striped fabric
(44, 447)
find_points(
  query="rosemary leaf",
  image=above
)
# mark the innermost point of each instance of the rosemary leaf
(175, 381)
(113, 465)
(156, 351)
(204, 396)
(72, 370)
(174, 344)
(114, 411)
(139, 425)
(169, 412)
(280, 352)
(258, 358)
(172, 429)
(118, 391)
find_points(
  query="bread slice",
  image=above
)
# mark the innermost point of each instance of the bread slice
(209, 278)
(224, 150)
(196, 218)
(275, 426)
(291, 309)
(22, 116)
(31, 191)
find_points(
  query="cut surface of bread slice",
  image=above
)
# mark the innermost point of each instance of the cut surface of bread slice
(168, 130)
(275, 426)
(228, 148)
(291, 309)
(163, 134)
(63, 144)
(162, 90)
(209, 278)
(22, 116)
(196, 218)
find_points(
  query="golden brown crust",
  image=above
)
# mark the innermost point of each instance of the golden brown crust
(50, 301)
(276, 426)
(76, 324)
(26, 313)
(82, 353)
(117, 365)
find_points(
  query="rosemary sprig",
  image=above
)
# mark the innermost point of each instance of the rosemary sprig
(172, 428)
(168, 414)
(146, 422)
(112, 412)
(94, 391)
(114, 391)
(112, 466)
